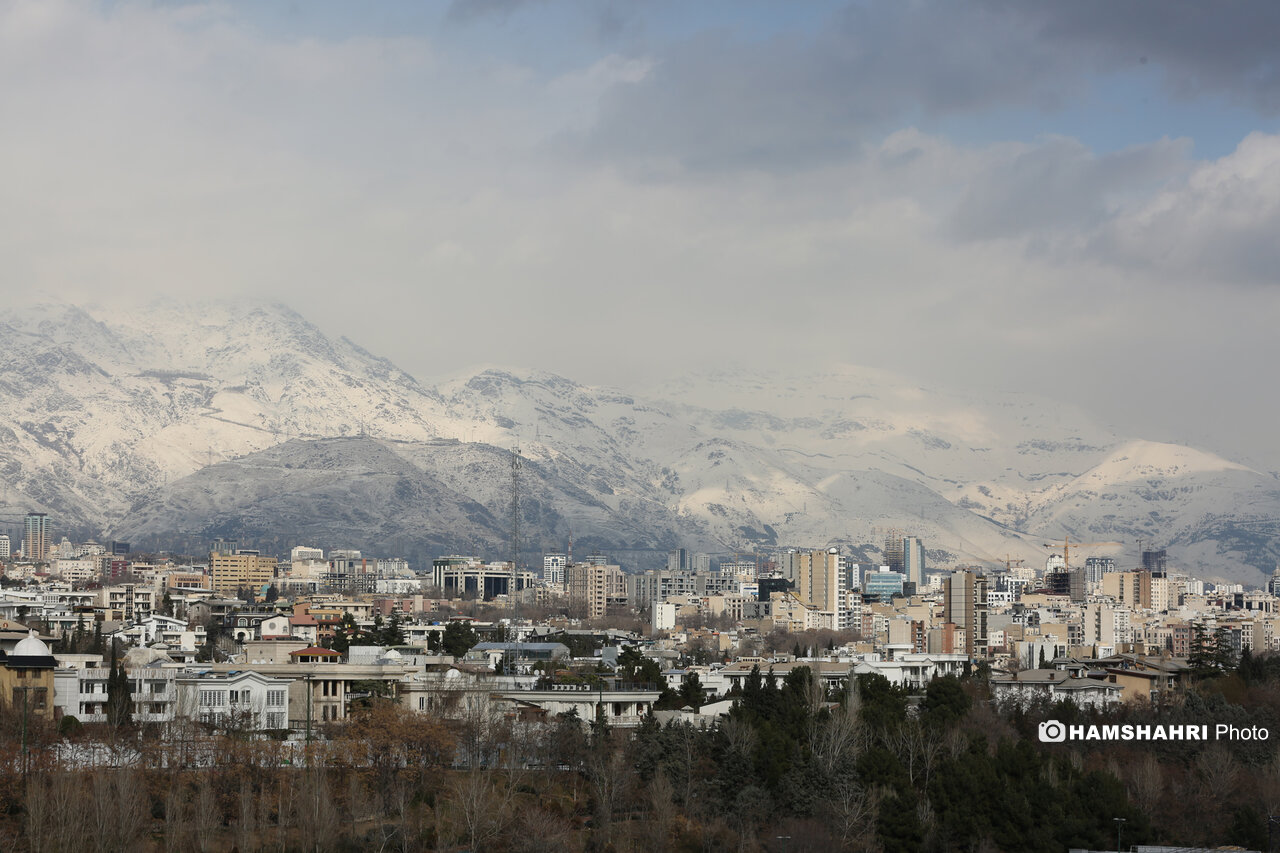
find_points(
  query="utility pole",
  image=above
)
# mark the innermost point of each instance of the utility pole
(308, 680)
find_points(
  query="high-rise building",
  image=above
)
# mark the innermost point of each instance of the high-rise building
(469, 577)
(553, 569)
(1273, 584)
(35, 537)
(229, 572)
(1096, 567)
(4, 546)
(913, 560)
(820, 581)
(893, 554)
(1066, 583)
(743, 570)
(1132, 589)
(594, 586)
(964, 604)
(223, 546)
(1156, 562)
(882, 585)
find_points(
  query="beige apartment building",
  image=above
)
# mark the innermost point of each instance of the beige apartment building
(229, 572)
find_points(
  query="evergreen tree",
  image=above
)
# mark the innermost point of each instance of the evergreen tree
(346, 631)
(458, 638)
(691, 692)
(1204, 659)
(119, 702)
(393, 633)
(1224, 653)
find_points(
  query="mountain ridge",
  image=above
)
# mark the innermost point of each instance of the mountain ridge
(116, 420)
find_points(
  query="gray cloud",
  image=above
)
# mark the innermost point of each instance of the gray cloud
(410, 198)
(1061, 185)
(467, 11)
(722, 101)
(719, 102)
(1228, 48)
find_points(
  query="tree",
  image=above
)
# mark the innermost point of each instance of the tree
(1204, 660)
(945, 701)
(392, 632)
(691, 692)
(638, 669)
(272, 595)
(346, 633)
(458, 638)
(119, 701)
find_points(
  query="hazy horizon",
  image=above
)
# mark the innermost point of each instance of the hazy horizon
(1076, 201)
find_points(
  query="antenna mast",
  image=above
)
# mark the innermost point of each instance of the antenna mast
(516, 464)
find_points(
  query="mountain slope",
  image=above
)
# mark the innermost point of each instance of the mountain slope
(179, 422)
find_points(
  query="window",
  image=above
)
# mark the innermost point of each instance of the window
(275, 720)
(213, 698)
(157, 687)
(275, 698)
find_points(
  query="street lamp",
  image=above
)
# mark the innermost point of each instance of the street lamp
(1119, 826)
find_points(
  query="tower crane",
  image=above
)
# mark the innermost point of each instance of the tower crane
(1066, 549)
(1011, 562)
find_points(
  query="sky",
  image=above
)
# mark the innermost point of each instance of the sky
(1080, 200)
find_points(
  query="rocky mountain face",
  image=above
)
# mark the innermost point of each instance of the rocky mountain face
(170, 426)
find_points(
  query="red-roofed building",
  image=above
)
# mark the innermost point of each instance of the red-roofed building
(315, 654)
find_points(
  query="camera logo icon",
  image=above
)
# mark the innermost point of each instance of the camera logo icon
(1052, 731)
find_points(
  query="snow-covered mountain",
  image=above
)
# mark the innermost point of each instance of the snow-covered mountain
(170, 425)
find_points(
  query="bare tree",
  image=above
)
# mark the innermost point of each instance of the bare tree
(610, 776)
(1146, 783)
(207, 815)
(37, 816)
(177, 819)
(662, 812)
(483, 805)
(1216, 772)
(132, 806)
(316, 817)
(70, 809)
(246, 824)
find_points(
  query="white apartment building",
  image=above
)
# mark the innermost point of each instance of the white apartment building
(80, 689)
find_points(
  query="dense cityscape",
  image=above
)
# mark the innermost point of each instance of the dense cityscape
(728, 701)
(547, 426)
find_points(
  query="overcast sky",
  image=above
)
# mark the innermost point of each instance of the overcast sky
(1080, 199)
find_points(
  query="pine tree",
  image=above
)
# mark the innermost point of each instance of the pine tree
(119, 712)
(1204, 659)
(392, 633)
